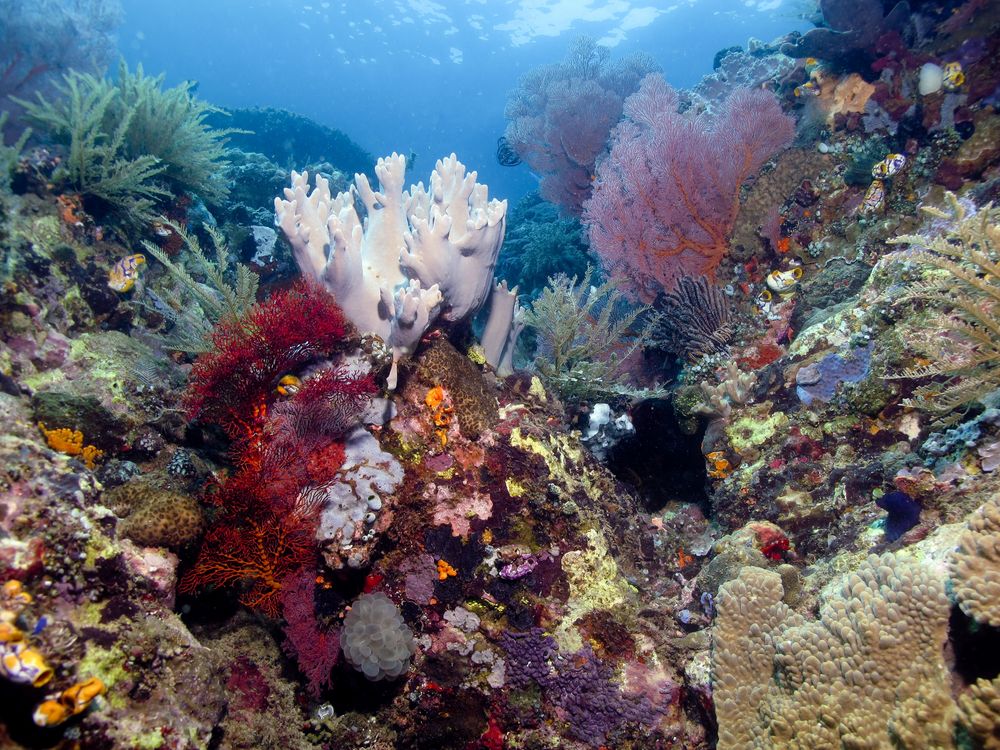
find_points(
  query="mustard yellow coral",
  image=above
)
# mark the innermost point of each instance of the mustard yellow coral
(980, 709)
(869, 674)
(70, 442)
(975, 566)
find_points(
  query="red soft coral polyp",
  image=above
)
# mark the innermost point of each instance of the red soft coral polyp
(231, 385)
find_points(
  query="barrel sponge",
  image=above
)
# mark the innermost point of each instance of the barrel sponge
(869, 673)
(975, 566)
(375, 639)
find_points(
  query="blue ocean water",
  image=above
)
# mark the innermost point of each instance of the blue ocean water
(421, 76)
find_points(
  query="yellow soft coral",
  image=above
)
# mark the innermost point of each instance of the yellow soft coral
(70, 442)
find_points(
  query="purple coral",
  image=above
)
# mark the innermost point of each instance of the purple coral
(581, 687)
(560, 115)
(528, 657)
(820, 380)
(593, 705)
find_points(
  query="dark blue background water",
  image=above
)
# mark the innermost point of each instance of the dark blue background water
(423, 76)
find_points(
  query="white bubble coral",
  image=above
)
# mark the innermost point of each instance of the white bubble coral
(375, 639)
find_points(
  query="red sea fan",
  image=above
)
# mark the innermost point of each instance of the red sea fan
(315, 647)
(259, 556)
(284, 442)
(231, 384)
(667, 196)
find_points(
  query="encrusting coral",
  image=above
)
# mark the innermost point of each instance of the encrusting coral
(869, 673)
(975, 566)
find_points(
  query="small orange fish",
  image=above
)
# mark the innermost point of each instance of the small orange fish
(123, 274)
(289, 385)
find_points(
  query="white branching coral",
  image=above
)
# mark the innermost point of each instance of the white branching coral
(412, 257)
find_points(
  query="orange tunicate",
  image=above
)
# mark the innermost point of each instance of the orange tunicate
(445, 570)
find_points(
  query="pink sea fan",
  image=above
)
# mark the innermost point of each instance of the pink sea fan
(316, 647)
(560, 115)
(667, 196)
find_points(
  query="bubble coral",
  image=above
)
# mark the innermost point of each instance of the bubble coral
(375, 639)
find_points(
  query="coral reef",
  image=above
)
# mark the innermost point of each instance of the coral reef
(220, 527)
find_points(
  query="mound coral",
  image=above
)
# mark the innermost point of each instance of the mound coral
(975, 566)
(869, 673)
(667, 196)
(159, 518)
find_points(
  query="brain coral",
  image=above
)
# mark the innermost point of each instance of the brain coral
(159, 517)
(868, 674)
(975, 566)
(375, 639)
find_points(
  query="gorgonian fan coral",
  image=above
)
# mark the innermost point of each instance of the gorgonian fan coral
(559, 117)
(667, 197)
(287, 425)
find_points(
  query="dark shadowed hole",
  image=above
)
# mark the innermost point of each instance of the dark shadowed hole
(660, 461)
(976, 646)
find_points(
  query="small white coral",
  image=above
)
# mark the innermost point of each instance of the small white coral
(375, 639)
(351, 502)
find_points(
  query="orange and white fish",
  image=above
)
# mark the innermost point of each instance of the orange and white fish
(782, 282)
(874, 196)
(810, 88)
(73, 700)
(123, 274)
(889, 166)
